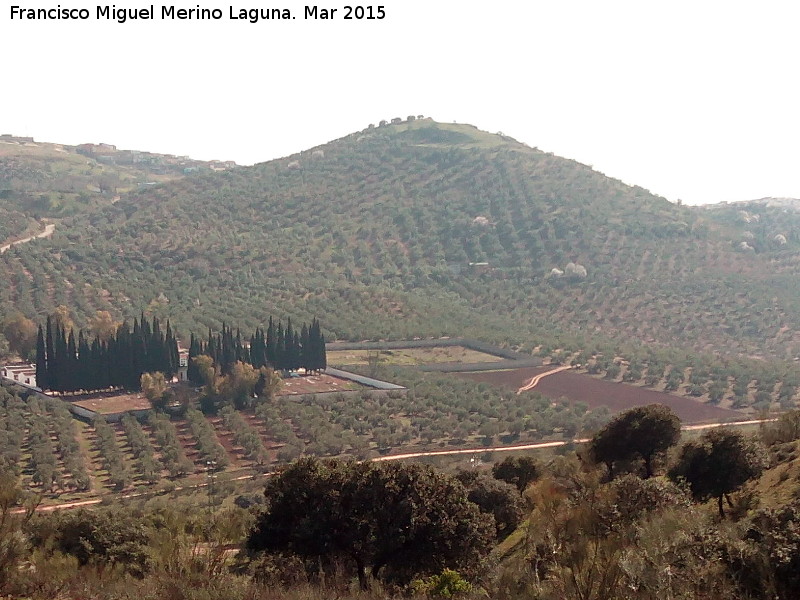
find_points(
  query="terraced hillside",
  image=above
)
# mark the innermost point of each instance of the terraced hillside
(421, 229)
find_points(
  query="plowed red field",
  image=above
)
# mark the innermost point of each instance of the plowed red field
(596, 392)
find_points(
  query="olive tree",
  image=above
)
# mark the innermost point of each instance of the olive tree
(496, 498)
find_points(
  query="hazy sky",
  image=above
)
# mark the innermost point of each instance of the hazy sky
(691, 100)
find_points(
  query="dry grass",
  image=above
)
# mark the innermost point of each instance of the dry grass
(411, 356)
(107, 403)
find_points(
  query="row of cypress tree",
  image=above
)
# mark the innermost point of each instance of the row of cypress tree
(283, 349)
(68, 363)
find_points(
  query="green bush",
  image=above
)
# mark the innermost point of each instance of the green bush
(446, 584)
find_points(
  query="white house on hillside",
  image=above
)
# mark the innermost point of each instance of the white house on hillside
(22, 373)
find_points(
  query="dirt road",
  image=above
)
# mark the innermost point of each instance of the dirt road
(540, 445)
(479, 450)
(534, 381)
(48, 231)
(594, 392)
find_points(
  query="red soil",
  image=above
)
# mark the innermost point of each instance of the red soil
(225, 438)
(189, 444)
(617, 397)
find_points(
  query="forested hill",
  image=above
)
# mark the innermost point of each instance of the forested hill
(384, 234)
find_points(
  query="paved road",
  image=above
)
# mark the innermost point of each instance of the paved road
(48, 231)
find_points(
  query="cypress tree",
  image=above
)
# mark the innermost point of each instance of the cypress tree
(262, 349)
(68, 363)
(271, 344)
(119, 354)
(289, 353)
(210, 345)
(223, 358)
(109, 358)
(138, 364)
(304, 352)
(280, 347)
(171, 352)
(296, 351)
(260, 386)
(97, 365)
(239, 352)
(315, 351)
(289, 348)
(229, 351)
(41, 361)
(144, 327)
(52, 376)
(195, 350)
(176, 356)
(62, 359)
(257, 349)
(156, 349)
(72, 363)
(253, 349)
(323, 357)
(86, 378)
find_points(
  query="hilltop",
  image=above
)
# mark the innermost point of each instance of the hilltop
(416, 229)
(782, 203)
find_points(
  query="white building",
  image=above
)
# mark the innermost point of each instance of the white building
(22, 373)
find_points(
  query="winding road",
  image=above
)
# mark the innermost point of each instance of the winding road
(48, 231)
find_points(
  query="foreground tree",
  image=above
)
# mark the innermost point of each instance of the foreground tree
(98, 538)
(643, 432)
(582, 534)
(496, 498)
(519, 471)
(393, 521)
(15, 511)
(718, 464)
(770, 566)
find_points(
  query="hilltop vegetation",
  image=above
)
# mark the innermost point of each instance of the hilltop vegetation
(379, 230)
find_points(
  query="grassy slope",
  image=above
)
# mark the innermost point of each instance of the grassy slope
(779, 484)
